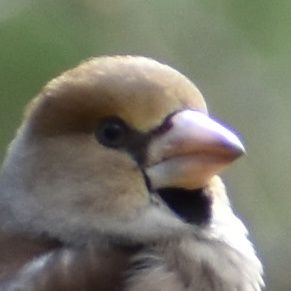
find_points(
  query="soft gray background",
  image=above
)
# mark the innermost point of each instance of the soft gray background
(238, 52)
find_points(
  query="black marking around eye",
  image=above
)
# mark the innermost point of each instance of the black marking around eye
(115, 133)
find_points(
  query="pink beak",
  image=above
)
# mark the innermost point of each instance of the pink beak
(193, 150)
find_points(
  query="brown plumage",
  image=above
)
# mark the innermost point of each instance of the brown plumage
(111, 184)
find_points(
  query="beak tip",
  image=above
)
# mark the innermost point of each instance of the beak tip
(237, 149)
(233, 143)
(241, 151)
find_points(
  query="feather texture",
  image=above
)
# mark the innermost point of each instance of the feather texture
(111, 184)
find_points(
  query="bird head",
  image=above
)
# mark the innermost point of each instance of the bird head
(118, 148)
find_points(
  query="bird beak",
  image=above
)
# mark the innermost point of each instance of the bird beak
(193, 149)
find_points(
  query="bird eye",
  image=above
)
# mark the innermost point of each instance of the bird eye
(111, 133)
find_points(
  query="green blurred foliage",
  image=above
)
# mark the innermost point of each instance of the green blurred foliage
(237, 52)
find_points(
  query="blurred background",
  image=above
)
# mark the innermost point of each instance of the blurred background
(237, 52)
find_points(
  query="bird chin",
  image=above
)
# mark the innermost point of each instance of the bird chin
(192, 206)
(181, 182)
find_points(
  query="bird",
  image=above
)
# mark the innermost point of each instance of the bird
(112, 183)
